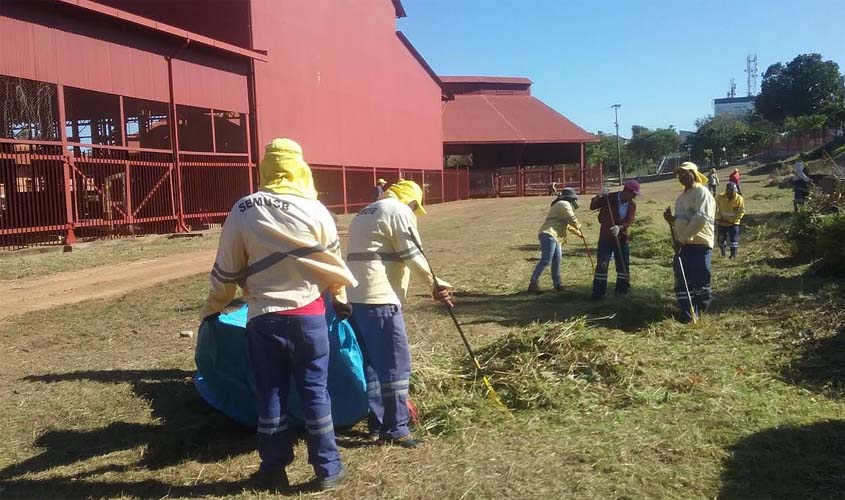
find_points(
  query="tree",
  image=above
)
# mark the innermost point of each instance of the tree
(804, 125)
(650, 145)
(605, 151)
(807, 85)
(724, 137)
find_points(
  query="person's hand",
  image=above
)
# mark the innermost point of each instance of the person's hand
(441, 294)
(668, 217)
(604, 191)
(576, 231)
(678, 246)
(341, 309)
(614, 230)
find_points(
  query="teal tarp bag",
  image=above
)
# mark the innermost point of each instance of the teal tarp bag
(224, 378)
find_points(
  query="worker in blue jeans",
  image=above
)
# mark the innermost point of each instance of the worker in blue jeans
(560, 219)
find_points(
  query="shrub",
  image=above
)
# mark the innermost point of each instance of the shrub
(818, 232)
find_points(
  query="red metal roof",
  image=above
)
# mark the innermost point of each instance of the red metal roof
(486, 79)
(486, 119)
(124, 16)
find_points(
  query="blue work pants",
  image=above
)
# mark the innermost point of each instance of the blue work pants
(381, 327)
(608, 249)
(696, 269)
(282, 346)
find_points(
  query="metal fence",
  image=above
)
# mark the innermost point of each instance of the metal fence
(534, 181)
(346, 189)
(50, 196)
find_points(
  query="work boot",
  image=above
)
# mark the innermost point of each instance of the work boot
(269, 480)
(534, 288)
(331, 482)
(559, 288)
(404, 442)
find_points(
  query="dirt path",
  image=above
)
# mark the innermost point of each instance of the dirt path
(21, 296)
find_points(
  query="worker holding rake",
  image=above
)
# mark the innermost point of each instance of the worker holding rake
(383, 252)
(616, 214)
(280, 245)
(692, 230)
(560, 219)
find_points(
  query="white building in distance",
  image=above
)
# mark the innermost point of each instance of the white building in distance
(736, 107)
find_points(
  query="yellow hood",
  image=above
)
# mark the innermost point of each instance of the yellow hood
(406, 192)
(688, 165)
(283, 171)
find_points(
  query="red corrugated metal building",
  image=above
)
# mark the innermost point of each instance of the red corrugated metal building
(89, 146)
(125, 117)
(518, 144)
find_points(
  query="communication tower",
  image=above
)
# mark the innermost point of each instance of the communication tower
(751, 73)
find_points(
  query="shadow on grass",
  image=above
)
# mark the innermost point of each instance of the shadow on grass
(188, 430)
(640, 308)
(758, 289)
(820, 366)
(790, 462)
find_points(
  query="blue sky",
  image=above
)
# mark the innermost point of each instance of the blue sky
(663, 60)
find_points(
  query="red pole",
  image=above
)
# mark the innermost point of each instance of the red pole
(583, 169)
(70, 234)
(174, 144)
(343, 176)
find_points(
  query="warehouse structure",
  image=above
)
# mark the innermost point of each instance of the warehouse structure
(125, 117)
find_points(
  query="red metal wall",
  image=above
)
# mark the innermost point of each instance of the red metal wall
(92, 53)
(342, 84)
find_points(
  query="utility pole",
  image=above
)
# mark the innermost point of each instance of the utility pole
(618, 148)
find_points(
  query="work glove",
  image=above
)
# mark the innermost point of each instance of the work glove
(614, 230)
(341, 309)
(576, 231)
(604, 191)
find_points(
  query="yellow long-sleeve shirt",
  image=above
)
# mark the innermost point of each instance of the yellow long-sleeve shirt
(382, 254)
(695, 210)
(729, 212)
(282, 250)
(561, 214)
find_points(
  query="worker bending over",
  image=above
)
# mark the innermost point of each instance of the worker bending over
(561, 217)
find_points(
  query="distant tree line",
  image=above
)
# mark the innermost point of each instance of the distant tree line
(801, 98)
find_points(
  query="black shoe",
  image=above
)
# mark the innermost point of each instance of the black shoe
(404, 442)
(559, 288)
(331, 482)
(534, 288)
(269, 480)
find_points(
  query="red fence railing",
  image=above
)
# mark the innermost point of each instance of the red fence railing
(87, 192)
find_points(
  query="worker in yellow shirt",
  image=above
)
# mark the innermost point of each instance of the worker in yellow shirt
(383, 253)
(559, 220)
(730, 208)
(692, 228)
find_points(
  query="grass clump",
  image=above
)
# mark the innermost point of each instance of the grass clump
(545, 365)
(818, 232)
(650, 242)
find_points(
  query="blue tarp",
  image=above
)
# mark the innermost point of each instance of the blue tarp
(224, 379)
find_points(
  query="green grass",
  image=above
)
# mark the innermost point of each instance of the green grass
(747, 404)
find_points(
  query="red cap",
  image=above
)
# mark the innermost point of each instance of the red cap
(632, 186)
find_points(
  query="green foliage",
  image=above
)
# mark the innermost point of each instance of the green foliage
(807, 85)
(818, 232)
(453, 161)
(724, 137)
(649, 145)
(596, 153)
